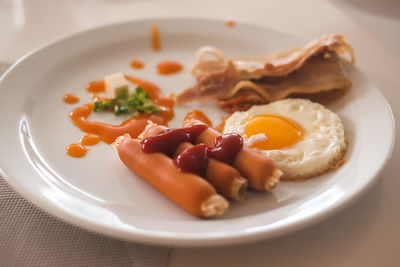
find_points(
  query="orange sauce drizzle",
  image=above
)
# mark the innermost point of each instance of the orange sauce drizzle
(198, 115)
(90, 140)
(133, 126)
(230, 23)
(96, 86)
(155, 38)
(220, 127)
(137, 64)
(70, 99)
(168, 67)
(75, 150)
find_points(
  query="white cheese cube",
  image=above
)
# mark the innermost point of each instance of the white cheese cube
(116, 83)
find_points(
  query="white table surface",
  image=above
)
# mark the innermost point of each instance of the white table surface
(367, 233)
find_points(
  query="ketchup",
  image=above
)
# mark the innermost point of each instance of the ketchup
(226, 147)
(195, 158)
(167, 141)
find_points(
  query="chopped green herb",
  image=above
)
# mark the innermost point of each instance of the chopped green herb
(123, 103)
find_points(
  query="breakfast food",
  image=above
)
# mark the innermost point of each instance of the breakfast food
(137, 102)
(175, 157)
(261, 172)
(188, 190)
(200, 168)
(134, 125)
(312, 71)
(115, 84)
(303, 138)
(226, 179)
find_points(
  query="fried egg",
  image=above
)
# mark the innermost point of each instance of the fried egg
(304, 138)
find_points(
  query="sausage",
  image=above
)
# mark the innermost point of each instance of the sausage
(261, 172)
(226, 179)
(189, 191)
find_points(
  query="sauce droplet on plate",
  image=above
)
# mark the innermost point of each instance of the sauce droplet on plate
(230, 23)
(70, 99)
(155, 39)
(168, 67)
(137, 64)
(75, 150)
(96, 87)
(90, 139)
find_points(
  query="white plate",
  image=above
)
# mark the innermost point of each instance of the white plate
(98, 192)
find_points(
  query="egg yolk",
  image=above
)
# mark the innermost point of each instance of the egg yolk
(280, 132)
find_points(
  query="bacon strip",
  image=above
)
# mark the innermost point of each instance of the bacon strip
(239, 83)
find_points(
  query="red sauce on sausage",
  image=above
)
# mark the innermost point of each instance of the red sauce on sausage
(195, 158)
(226, 147)
(167, 141)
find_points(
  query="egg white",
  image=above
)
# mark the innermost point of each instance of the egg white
(321, 149)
